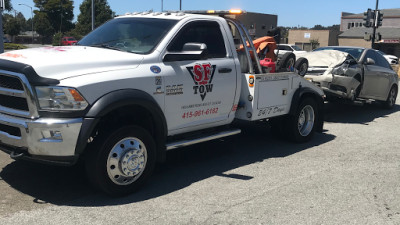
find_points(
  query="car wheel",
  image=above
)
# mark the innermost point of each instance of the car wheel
(120, 161)
(287, 62)
(301, 125)
(301, 66)
(391, 99)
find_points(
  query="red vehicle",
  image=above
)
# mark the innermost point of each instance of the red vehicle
(68, 41)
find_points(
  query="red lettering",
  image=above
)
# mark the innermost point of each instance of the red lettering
(198, 73)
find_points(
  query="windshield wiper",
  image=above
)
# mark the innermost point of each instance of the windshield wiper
(107, 47)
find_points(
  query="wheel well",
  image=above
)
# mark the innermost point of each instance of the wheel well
(126, 115)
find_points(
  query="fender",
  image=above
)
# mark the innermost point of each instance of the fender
(302, 91)
(120, 98)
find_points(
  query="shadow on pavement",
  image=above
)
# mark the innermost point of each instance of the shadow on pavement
(344, 113)
(69, 186)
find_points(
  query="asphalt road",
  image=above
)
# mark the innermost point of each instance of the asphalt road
(350, 174)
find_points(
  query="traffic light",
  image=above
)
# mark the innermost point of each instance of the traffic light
(367, 18)
(379, 18)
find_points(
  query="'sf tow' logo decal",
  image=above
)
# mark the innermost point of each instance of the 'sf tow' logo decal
(202, 76)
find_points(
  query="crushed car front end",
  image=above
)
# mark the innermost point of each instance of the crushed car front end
(336, 73)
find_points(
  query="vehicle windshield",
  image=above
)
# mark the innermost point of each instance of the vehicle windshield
(355, 52)
(71, 39)
(296, 48)
(136, 35)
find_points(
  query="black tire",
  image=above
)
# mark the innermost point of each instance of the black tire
(391, 99)
(287, 62)
(105, 165)
(301, 126)
(301, 66)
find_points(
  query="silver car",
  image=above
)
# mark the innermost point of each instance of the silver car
(353, 73)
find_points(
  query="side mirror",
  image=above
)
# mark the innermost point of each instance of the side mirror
(370, 61)
(190, 51)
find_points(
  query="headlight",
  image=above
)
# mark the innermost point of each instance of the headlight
(60, 98)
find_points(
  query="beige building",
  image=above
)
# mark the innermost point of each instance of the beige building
(311, 39)
(354, 32)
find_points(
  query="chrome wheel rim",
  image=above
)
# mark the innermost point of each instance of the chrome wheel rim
(306, 120)
(126, 161)
(392, 97)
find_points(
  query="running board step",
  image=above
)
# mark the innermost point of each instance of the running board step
(184, 143)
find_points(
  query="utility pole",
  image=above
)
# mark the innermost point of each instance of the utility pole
(162, 5)
(374, 25)
(92, 14)
(180, 5)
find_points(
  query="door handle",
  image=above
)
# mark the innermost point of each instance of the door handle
(225, 70)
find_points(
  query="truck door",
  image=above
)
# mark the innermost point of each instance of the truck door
(199, 92)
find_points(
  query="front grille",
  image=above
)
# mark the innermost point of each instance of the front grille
(10, 83)
(13, 102)
(15, 131)
(15, 95)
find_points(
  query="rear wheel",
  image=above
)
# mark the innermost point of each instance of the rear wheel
(391, 99)
(301, 126)
(287, 62)
(120, 161)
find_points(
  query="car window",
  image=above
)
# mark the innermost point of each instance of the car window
(284, 48)
(378, 58)
(296, 48)
(207, 32)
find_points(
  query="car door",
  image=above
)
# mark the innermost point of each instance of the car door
(377, 76)
(199, 92)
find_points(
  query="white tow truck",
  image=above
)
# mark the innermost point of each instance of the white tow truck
(140, 85)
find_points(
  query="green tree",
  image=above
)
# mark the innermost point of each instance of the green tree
(59, 14)
(21, 20)
(8, 5)
(12, 26)
(42, 24)
(103, 13)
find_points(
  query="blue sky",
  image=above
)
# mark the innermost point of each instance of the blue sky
(290, 12)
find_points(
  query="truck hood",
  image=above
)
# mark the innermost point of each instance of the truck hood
(68, 61)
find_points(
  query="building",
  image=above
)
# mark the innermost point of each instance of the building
(258, 24)
(354, 32)
(311, 39)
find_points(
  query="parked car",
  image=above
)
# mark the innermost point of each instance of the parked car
(5, 40)
(353, 73)
(285, 48)
(68, 41)
(392, 59)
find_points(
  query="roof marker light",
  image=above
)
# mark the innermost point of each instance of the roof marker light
(235, 11)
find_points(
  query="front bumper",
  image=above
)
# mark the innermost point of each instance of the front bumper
(39, 138)
(335, 85)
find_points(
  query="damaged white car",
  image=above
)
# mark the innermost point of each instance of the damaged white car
(352, 73)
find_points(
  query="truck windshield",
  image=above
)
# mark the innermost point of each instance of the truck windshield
(136, 35)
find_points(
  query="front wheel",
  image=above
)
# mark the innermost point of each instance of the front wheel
(301, 125)
(120, 161)
(391, 99)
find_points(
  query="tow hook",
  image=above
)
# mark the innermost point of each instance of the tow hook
(15, 155)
